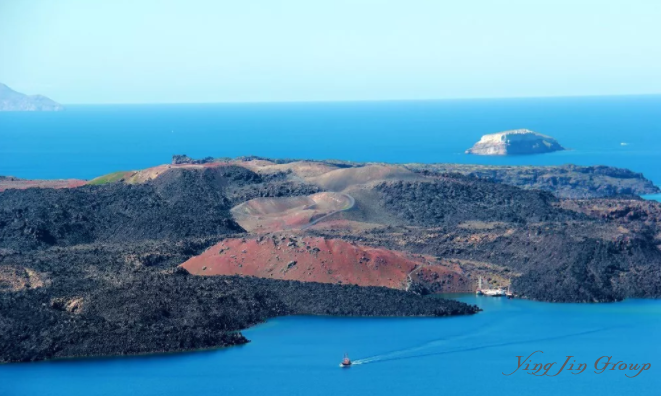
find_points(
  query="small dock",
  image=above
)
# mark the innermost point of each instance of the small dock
(498, 292)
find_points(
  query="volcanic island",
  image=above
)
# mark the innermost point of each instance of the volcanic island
(185, 255)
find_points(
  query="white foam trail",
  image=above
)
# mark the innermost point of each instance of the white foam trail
(427, 345)
(472, 347)
(400, 353)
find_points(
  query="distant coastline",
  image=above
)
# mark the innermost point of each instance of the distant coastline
(11, 100)
(368, 100)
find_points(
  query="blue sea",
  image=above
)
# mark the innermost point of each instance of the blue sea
(300, 355)
(294, 356)
(88, 141)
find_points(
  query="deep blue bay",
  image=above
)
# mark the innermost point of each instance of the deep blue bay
(300, 355)
(453, 356)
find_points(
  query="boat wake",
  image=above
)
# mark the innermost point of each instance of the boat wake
(428, 345)
(409, 353)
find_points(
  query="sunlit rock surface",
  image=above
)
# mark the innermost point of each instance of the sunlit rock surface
(516, 142)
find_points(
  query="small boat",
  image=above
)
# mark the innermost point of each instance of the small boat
(508, 293)
(346, 362)
(493, 292)
(479, 288)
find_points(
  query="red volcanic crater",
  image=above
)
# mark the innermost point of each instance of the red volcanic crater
(314, 259)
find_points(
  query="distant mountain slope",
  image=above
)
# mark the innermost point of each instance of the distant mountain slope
(11, 100)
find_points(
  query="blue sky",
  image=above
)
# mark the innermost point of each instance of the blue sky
(143, 51)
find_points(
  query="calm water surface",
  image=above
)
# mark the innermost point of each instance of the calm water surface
(453, 356)
(88, 141)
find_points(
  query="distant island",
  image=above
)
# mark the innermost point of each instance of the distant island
(515, 142)
(11, 100)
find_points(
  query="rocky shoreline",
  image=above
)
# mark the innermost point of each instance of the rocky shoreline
(153, 312)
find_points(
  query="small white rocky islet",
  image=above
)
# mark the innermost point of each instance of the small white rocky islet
(515, 142)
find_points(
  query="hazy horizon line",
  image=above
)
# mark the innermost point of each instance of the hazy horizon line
(365, 100)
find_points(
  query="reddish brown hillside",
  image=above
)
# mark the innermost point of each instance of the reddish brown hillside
(9, 182)
(321, 260)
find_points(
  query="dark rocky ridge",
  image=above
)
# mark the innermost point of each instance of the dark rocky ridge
(566, 181)
(181, 159)
(274, 185)
(451, 200)
(129, 298)
(180, 204)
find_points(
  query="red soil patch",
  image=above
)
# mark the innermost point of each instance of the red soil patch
(313, 260)
(7, 183)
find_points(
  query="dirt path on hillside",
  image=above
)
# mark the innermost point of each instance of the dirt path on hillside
(352, 202)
